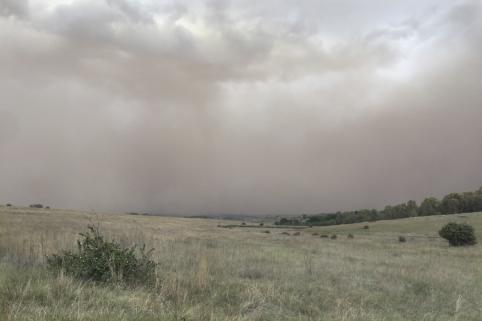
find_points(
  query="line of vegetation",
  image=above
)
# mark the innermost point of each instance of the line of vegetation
(453, 203)
(263, 226)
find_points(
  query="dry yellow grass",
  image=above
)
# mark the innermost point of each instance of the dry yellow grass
(211, 273)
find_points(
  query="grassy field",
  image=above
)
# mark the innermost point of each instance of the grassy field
(210, 273)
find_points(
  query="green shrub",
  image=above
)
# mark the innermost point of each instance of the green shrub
(458, 234)
(366, 227)
(324, 236)
(350, 236)
(333, 237)
(105, 261)
(402, 239)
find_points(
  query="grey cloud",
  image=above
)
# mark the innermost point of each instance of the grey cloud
(133, 10)
(18, 8)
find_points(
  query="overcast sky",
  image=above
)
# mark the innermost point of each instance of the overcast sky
(264, 107)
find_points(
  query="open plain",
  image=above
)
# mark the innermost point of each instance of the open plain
(206, 272)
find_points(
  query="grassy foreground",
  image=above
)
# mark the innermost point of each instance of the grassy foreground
(211, 273)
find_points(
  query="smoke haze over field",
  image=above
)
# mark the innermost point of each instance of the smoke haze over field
(263, 107)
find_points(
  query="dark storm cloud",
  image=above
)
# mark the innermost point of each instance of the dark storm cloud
(197, 107)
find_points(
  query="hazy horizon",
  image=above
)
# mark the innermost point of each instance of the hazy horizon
(198, 107)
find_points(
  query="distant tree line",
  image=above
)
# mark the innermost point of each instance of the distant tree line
(452, 203)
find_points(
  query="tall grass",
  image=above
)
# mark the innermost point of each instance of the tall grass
(210, 273)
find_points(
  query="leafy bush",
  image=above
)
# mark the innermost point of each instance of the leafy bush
(324, 236)
(402, 239)
(366, 227)
(105, 261)
(296, 233)
(458, 234)
(350, 236)
(36, 206)
(333, 237)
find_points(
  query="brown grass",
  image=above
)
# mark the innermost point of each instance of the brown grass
(211, 273)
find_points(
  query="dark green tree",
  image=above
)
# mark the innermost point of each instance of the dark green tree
(412, 208)
(429, 206)
(451, 203)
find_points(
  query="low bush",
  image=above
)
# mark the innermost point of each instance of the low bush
(350, 236)
(296, 233)
(36, 206)
(105, 261)
(324, 236)
(366, 227)
(333, 237)
(458, 234)
(402, 239)
(285, 233)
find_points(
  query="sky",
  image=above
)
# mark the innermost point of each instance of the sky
(253, 107)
